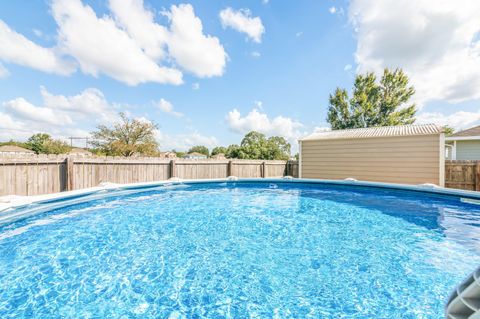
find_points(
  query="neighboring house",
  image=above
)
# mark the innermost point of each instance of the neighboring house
(76, 151)
(463, 145)
(195, 155)
(15, 150)
(168, 155)
(219, 156)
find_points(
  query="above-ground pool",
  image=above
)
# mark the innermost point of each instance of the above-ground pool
(241, 250)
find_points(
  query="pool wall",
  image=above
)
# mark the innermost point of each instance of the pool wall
(14, 207)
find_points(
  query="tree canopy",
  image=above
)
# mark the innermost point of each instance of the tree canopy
(42, 143)
(219, 150)
(199, 149)
(373, 103)
(256, 145)
(126, 138)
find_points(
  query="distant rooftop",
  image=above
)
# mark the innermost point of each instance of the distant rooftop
(473, 131)
(382, 131)
(14, 149)
(78, 150)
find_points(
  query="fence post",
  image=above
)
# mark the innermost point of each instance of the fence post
(69, 173)
(477, 176)
(263, 170)
(173, 169)
(230, 168)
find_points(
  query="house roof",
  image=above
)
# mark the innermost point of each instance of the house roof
(14, 149)
(383, 131)
(78, 150)
(473, 131)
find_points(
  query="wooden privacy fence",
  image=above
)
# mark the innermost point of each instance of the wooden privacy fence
(462, 175)
(34, 175)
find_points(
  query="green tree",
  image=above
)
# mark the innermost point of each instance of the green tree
(126, 138)
(277, 149)
(255, 145)
(52, 146)
(199, 149)
(373, 104)
(233, 151)
(36, 142)
(42, 143)
(219, 150)
(448, 130)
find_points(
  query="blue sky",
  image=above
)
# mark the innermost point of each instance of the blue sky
(209, 71)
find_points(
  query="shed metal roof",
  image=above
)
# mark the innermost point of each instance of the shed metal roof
(382, 131)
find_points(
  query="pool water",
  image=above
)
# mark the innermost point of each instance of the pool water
(241, 250)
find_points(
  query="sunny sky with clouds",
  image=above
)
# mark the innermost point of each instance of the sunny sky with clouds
(210, 71)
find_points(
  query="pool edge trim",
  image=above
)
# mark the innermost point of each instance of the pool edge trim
(40, 203)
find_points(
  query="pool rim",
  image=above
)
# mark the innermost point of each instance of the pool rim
(14, 208)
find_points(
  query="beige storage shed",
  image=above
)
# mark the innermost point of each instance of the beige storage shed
(407, 154)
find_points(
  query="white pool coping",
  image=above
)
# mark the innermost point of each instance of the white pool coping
(15, 207)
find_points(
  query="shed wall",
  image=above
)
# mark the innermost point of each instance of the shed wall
(403, 159)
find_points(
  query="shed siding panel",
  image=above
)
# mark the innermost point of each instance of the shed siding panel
(468, 150)
(406, 160)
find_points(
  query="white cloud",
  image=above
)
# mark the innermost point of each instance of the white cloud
(258, 104)
(436, 44)
(21, 108)
(87, 105)
(242, 21)
(58, 115)
(196, 86)
(458, 120)
(203, 55)
(182, 142)
(332, 10)
(256, 121)
(265, 1)
(299, 34)
(347, 67)
(100, 46)
(256, 54)
(126, 44)
(139, 22)
(15, 48)
(167, 107)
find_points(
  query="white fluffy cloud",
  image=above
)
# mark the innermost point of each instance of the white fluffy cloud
(182, 142)
(58, 115)
(22, 109)
(100, 46)
(140, 24)
(126, 44)
(458, 120)
(167, 107)
(243, 21)
(203, 55)
(436, 43)
(256, 121)
(15, 48)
